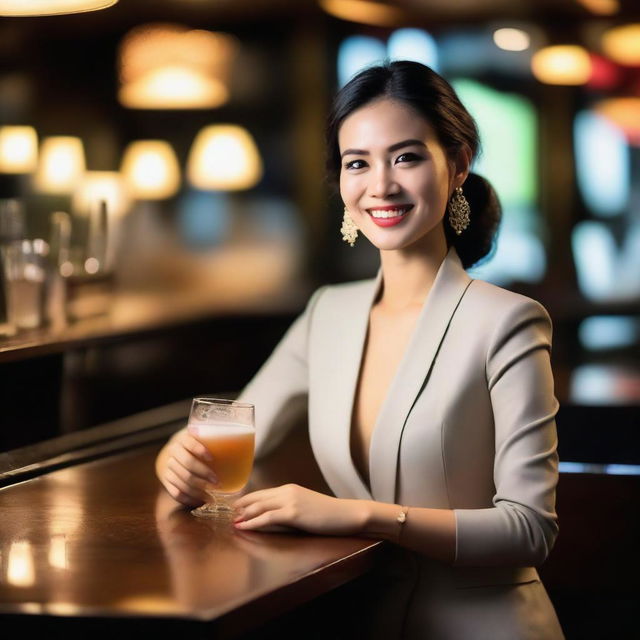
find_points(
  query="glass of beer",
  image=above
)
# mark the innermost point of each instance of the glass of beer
(227, 429)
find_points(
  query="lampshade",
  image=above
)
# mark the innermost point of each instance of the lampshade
(166, 66)
(562, 64)
(18, 149)
(102, 185)
(622, 44)
(224, 157)
(50, 7)
(61, 164)
(370, 12)
(150, 169)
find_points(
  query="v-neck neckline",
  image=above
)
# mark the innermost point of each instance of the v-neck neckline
(367, 482)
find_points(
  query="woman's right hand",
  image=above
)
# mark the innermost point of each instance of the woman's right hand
(183, 468)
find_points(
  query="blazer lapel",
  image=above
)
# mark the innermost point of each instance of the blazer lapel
(413, 373)
(341, 331)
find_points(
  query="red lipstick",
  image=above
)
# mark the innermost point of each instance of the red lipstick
(393, 214)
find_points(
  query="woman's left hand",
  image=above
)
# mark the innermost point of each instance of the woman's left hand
(292, 506)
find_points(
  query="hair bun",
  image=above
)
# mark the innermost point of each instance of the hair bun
(477, 241)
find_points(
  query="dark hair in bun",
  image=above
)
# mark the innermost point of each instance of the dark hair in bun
(430, 95)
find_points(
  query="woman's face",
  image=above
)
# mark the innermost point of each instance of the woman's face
(395, 177)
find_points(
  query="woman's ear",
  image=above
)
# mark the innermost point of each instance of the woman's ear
(462, 165)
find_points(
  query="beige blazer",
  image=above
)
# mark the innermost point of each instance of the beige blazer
(468, 424)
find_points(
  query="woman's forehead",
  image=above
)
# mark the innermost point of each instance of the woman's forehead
(382, 123)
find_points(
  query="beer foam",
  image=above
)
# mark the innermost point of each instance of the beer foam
(219, 429)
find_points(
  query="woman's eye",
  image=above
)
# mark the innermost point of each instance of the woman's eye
(355, 164)
(408, 157)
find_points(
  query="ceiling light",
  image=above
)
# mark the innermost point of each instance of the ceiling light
(562, 64)
(50, 7)
(511, 39)
(167, 66)
(150, 169)
(61, 164)
(18, 149)
(224, 157)
(364, 12)
(622, 44)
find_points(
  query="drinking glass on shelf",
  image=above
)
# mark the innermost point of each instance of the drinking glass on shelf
(227, 429)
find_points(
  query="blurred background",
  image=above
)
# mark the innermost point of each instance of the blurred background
(164, 213)
(162, 167)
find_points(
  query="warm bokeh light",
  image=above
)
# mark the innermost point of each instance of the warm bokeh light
(605, 74)
(562, 64)
(624, 113)
(150, 169)
(364, 12)
(51, 7)
(622, 44)
(20, 565)
(58, 551)
(601, 7)
(224, 157)
(102, 185)
(18, 149)
(166, 66)
(61, 164)
(511, 39)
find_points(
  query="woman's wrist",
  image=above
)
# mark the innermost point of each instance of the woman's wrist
(382, 521)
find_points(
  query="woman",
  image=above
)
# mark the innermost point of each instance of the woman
(431, 404)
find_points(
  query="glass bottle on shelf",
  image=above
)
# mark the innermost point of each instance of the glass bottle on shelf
(12, 225)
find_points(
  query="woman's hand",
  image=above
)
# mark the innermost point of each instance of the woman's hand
(183, 467)
(292, 506)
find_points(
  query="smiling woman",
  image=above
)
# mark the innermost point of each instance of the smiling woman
(420, 117)
(430, 395)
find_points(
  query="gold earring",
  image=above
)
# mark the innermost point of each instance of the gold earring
(459, 211)
(348, 229)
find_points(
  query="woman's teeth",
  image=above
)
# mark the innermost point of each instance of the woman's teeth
(389, 213)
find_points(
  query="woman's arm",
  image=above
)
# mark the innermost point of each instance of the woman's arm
(521, 526)
(183, 465)
(519, 529)
(431, 532)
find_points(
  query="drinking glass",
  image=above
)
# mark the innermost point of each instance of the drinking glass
(226, 428)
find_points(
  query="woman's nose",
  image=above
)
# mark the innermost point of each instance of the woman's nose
(382, 182)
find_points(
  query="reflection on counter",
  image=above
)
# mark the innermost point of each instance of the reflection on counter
(20, 564)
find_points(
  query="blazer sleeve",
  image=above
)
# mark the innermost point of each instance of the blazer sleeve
(521, 527)
(282, 382)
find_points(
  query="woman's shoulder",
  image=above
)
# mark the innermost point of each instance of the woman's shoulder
(497, 302)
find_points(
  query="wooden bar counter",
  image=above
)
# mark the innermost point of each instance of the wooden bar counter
(89, 541)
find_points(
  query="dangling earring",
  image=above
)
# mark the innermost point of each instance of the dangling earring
(348, 229)
(459, 211)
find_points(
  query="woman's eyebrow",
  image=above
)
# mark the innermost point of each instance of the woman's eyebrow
(394, 147)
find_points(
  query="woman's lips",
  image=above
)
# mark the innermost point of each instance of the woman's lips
(389, 216)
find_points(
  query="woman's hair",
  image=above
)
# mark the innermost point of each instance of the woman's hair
(431, 96)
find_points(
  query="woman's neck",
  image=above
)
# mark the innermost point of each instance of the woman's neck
(409, 274)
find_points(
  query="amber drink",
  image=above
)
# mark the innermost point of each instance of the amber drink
(226, 428)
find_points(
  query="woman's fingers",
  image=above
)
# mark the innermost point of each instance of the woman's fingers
(194, 446)
(192, 465)
(182, 491)
(256, 508)
(272, 520)
(187, 477)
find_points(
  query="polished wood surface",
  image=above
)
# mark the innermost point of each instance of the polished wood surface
(102, 538)
(135, 313)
